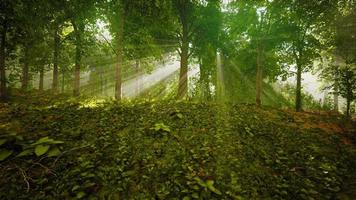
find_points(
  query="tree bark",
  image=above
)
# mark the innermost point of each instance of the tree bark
(78, 57)
(3, 90)
(63, 79)
(298, 97)
(119, 56)
(348, 107)
(25, 70)
(55, 60)
(138, 84)
(336, 99)
(259, 77)
(40, 86)
(183, 75)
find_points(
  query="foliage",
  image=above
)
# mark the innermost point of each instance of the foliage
(172, 150)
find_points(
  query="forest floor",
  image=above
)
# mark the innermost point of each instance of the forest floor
(54, 148)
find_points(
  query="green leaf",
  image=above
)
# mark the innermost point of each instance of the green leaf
(19, 137)
(47, 140)
(80, 194)
(180, 116)
(210, 185)
(195, 195)
(76, 187)
(3, 141)
(41, 149)
(42, 140)
(161, 127)
(200, 182)
(4, 153)
(54, 152)
(26, 152)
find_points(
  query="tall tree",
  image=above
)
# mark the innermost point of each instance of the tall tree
(135, 26)
(340, 69)
(31, 33)
(305, 20)
(205, 43)
(57, 17)
(4, 20)
(81, 13)
(255, 28)
(185, 12)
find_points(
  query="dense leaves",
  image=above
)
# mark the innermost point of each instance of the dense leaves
(172, 150)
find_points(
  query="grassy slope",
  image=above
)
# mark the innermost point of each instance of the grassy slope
(171, 150)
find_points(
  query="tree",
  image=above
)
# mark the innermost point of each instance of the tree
(31, 33)
(81, 13)
(305, 20)
(4, 17)
(205, 44)
(135, 26)
(340, 70)
(255, 28)
(7, 32)
(185, 11)
(57, 20)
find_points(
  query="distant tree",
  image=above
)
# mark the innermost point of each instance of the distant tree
(305, 20)
(205, 43)
(257, 31)
(136, 27)
(81, 13)
(340, 71)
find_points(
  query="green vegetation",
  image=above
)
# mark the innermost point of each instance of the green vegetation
(177, 99)
(171, 150)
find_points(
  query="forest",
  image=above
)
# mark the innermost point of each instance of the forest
(178, 99)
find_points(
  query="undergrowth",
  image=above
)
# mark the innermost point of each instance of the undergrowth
(170, 150)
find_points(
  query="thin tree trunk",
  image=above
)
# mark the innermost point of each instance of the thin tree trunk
(3, 90)
(63, 79)
(76, 91)
(183, 75)
(55, 60)
(202, 79)
(336, 99)
(348, 106)
(258, 77)
(119, 56)
(25, 71)
(298, 97)
(78, 56)
(138, 67)
(40, 86)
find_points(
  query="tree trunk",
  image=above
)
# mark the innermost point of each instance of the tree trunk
(3, 90)
(76, 91)
(25, 71)
(202, 79)
(336, 99)
(138, 68)
(298, 97)
(40, 86)
(63, 79)
(348, 107)
(55, 60)
(183, 75)
(119, 56)
(258, 77)
(78, 57)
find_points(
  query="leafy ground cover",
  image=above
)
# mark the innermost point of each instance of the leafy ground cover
(57, 149)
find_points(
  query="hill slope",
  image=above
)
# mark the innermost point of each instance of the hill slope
(171, 150)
